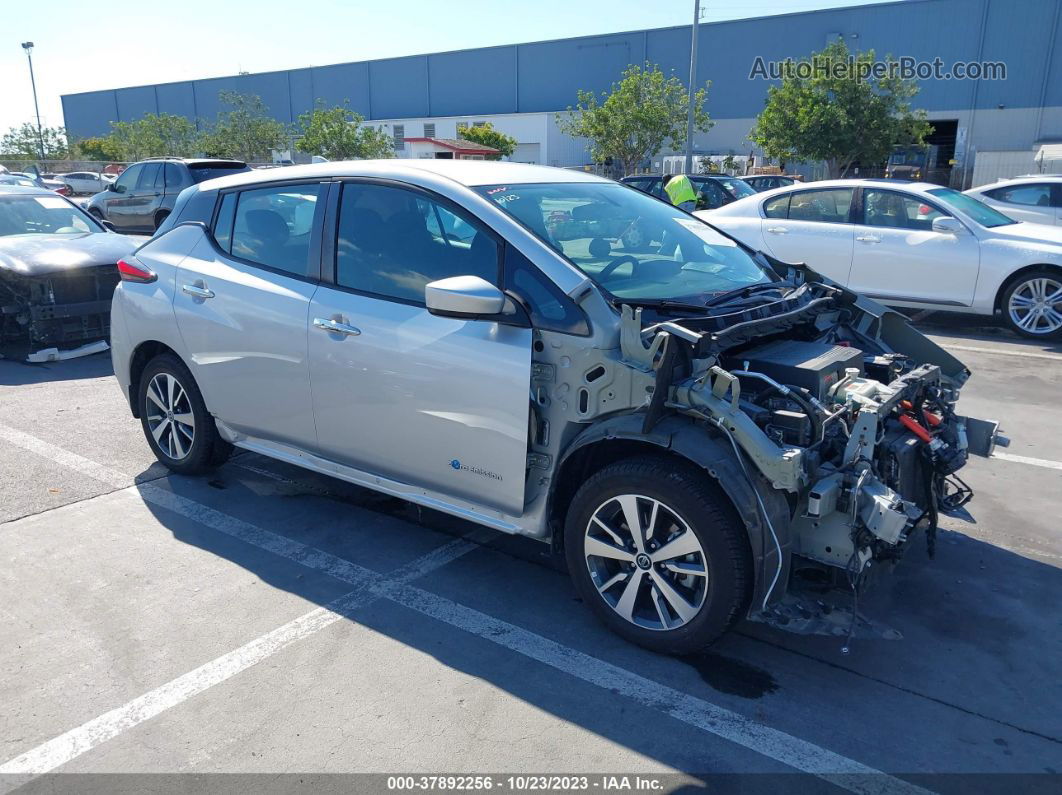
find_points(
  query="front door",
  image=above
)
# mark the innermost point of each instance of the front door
(119, 200)
(242, 301)
(811, 226)
(898, 256)
(437, 403)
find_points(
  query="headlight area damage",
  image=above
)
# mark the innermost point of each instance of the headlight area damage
(54, 310)
(837, 404)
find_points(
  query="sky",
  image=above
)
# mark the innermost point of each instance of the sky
(83, 46)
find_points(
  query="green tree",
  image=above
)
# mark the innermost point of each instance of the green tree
(839, 108)
(246, 132)
(154, 135)
(22, 143)
(486, 135)
(338, 134)
(636, 118)
(100, 149)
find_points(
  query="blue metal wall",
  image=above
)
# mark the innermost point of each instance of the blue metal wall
(544, 76)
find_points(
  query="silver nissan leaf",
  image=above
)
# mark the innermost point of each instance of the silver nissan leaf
(700, 428)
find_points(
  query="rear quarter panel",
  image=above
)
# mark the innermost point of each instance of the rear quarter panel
(144, 312)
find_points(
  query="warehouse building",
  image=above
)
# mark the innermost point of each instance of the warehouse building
(980, 125)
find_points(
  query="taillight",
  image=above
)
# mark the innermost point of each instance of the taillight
(135, 272)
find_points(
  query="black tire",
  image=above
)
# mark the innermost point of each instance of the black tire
(1021, 283)
(96, 214)
(689, 494)
(207, 449)
(159, 218)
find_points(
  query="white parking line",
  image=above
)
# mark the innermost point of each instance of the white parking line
(1023, 354)
(710, 718)
(74, 743)
(1024, 459)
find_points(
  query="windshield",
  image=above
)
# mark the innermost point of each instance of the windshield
(978, 211)
(632, 245)
(738, 187)
(42, 215)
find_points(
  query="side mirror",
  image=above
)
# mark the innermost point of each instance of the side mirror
(463, 297)
(112, 187)
(948, 226)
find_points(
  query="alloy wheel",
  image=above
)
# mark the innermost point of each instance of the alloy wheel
(646, 562)
(1035, 306)
(169, 416)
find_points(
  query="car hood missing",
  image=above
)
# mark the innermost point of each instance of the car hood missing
(37, 255)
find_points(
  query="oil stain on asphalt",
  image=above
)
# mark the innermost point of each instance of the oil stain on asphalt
(733, 677)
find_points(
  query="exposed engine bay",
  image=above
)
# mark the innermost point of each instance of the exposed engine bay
(840, 415)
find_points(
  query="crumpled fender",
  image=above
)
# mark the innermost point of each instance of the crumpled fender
(713, 453)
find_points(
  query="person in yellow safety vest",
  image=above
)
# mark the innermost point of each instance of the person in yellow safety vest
(681, 192)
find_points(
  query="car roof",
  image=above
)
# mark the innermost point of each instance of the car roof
(470, 173)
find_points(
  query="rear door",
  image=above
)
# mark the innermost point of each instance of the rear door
(433, 402)
(241, 303)
(812, 226)
(899, 258)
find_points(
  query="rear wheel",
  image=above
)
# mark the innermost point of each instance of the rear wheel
(656, 550)
(159, 218)
(1032, 305)
(178, 427)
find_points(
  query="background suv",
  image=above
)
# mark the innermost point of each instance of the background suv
(141, 198)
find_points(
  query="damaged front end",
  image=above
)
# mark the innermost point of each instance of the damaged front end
(57, 309)
(836, 403)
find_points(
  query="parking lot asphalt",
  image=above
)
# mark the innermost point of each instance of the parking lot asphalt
(269, 620)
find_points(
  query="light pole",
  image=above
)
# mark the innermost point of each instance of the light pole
(693, 82)
(28, 47)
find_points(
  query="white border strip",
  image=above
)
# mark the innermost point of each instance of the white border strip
(1024, 459)
(1023, 354)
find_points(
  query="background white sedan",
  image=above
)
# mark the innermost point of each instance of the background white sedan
(1037, 199)
(86, 181)
(910, 244)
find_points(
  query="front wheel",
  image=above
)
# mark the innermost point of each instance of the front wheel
(658, 553)
(178, 427)
(1032, 305)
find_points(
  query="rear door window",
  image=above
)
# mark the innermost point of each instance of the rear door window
(1038, 195)
(150, 177)
(778, 207)
(274, 226)
(174, 177)
(827, 205)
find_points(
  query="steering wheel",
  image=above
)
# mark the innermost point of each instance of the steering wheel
(609, 269)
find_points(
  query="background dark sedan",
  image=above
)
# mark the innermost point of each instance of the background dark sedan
(713, 190)
(57, 271)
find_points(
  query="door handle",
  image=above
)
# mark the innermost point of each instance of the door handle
(777, 230)
(868, 239)
(196, 291)
(336, 326)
